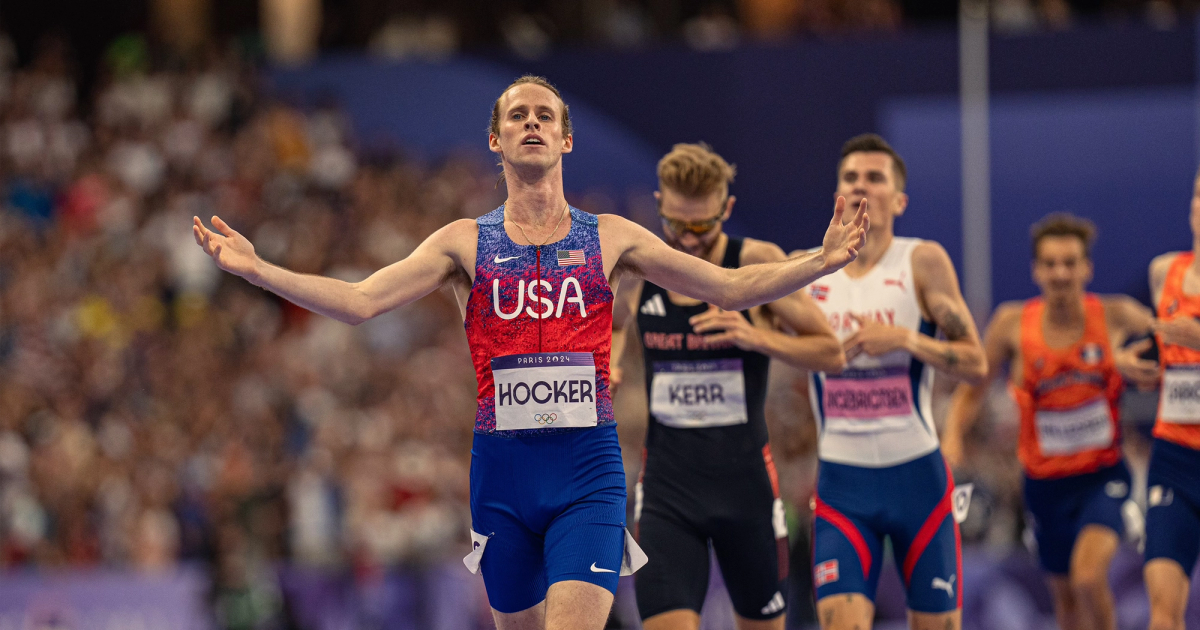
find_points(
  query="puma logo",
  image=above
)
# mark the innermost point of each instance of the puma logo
(945, 585)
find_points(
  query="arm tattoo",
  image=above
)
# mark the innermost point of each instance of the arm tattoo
(951, 358)
(952, 324)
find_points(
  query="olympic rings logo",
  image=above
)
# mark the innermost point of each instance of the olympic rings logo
(545, 418)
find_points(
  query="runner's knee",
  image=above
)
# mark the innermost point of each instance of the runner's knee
(1089, 584)
(1164, 622)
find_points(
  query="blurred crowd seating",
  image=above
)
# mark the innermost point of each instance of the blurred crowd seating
(154, 410)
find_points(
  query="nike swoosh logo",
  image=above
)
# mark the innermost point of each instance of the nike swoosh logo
(499, 260)
(598, 570)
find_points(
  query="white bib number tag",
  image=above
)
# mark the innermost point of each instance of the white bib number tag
(545, 390)
(696, 394)
(1069, 431)
(1180, 397)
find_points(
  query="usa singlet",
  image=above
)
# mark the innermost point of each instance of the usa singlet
(1070, 439)
(708, 476)
(547, 479)
(1173, 481)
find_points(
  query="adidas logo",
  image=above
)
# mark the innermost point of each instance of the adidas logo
(655, 306)
(775, 605)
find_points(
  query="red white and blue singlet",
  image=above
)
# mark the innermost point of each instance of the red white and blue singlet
(529, 308)
(547, 479)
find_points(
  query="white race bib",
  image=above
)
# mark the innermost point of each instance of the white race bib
(695, 394)
(545, 390)
(1180, 397)
(1069, 431)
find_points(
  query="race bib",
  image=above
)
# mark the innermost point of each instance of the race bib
(695, 394)
(1180, 397)
(545, 389)
(1069, 431)
(868, 394)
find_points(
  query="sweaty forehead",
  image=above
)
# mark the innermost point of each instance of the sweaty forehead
(530, 95)
(867, 161)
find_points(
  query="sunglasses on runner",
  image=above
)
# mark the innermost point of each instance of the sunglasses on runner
(699, 228)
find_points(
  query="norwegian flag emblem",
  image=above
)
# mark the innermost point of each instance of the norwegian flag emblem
(819, 292)
(568, 257)
(825, 572)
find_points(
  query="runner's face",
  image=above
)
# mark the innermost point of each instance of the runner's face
(869, 175)
(1061, 269)
(693, 225)
(530, 128)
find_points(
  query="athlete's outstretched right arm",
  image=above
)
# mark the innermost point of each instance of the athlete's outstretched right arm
(968, 398)
(431, 264)
(735, 289)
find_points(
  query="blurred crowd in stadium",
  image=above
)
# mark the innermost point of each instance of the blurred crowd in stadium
(531, 27)
(153, 410)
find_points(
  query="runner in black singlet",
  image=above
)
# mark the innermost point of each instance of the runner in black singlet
(708, 475)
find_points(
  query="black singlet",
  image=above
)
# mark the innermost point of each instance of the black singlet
(668, 341)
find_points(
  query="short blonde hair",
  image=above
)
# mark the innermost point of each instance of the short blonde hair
(694, 170)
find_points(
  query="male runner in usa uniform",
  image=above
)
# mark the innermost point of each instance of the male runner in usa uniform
(1067, 382)
(708, 476)
(1173, 492)
(881, 473)
(534, 281)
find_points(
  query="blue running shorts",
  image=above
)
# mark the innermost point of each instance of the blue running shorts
(552, 508)
(910, 503)
(1062, 507)
(1173, 504)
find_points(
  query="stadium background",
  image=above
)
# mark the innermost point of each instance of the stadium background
(179, 449)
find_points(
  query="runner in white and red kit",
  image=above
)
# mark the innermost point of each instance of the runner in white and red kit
(534, 280)
(881, 473)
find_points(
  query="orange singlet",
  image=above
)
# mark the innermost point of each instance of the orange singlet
(1068, 397)
(1179, 400)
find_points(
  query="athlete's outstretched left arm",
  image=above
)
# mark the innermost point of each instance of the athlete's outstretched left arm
(811, 345)
(647, 256)
(960, 355)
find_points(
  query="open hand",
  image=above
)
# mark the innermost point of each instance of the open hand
(728, 326)
(231, 251)
(843, 240)
(874, 338)
(1179, 331)
(1143, 373)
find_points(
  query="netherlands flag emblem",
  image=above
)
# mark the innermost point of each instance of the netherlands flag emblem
(568, 257)
(819, 292)
(825, 572)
